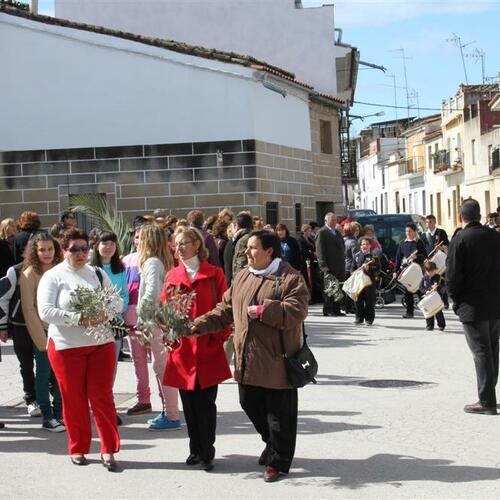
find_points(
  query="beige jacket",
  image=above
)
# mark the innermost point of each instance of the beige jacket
(258, 355)
(28, 283)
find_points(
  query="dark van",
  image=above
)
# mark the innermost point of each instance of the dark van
(390, 229)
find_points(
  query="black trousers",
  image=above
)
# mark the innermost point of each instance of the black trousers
(482, 337)
(330, 306)
(410, 304)
(200, 412)
(273, 412)
(23, 347)
(365, 305)
(439, 319)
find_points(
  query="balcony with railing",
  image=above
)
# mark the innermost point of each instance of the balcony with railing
(446, 163)
(412, 166)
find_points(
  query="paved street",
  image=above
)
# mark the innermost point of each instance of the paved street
(353, 442)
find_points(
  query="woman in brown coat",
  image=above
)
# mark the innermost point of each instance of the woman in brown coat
(258, 315)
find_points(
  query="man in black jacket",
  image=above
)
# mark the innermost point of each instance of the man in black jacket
(406, 248)
(473, 281)
(330, 250)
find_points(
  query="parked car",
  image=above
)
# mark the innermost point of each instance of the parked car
(390, 229)
(354, 213)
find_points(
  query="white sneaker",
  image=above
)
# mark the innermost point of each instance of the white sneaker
(53, 425)
(34, 410)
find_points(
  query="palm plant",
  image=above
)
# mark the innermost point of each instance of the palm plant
(110, 220)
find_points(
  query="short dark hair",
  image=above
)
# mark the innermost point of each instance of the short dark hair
(411, 226)
(470, 210)
(364, 238)
(244, 220)
(430, 217)
(314, 224)
(493, 215)
(73, 234)
(268, 240)
(67, 213)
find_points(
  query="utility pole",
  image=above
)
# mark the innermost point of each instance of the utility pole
(395, 109)
(458, 42)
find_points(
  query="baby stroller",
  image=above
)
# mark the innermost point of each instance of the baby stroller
(386, 289)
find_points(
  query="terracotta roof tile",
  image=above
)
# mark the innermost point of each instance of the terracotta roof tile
(22, 10)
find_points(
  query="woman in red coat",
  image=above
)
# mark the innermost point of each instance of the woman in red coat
(198, 364)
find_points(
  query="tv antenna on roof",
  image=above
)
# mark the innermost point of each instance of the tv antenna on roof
(457, 41)
(404, 58)
(476, 55)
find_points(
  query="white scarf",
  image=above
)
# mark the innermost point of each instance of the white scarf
(192, 266)
(270, 269)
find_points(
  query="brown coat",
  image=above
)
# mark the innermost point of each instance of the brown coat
(258, 356)
(28, 283)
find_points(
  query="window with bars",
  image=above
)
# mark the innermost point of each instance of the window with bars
(272, 209)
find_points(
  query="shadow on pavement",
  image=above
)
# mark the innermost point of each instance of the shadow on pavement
(377, 469)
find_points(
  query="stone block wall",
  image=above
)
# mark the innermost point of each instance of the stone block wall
(137, 179)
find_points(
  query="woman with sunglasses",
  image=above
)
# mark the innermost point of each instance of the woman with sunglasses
(84, 368)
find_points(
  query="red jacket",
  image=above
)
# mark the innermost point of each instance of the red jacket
(201, 357)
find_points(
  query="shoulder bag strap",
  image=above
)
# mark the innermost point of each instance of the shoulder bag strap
(99, 275)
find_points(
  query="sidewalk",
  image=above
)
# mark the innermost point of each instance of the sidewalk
(354, 441)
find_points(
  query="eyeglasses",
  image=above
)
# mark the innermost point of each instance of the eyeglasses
(77, 248)
(183, 243)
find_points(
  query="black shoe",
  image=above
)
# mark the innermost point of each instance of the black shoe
(109, 464)
(193, 459)
(122, 356)
(407, 315)
(480, 409)
(263, 457)
(326, 313)
(358, 321)
(369, 323)
(78, 460)
(2, 425)
(429, 328)
(207, 466)
(118, 420)
(441, 327)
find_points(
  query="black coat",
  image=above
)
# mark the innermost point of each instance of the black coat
(406, 248)
(440, 236)
(330, 250)
(294, 258)
(21, 239)
(6, 258)
(473, 273)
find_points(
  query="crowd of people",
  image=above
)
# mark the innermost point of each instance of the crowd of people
(251, 280)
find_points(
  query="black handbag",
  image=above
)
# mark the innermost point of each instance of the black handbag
(302, 367)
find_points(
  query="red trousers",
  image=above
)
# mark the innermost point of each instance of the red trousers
(85, 374)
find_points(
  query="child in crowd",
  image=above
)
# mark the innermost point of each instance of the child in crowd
(433, 280)
(365, 305)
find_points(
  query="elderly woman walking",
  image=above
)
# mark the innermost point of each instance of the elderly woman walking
(265, 297)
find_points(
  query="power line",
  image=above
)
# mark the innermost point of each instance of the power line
(397, 107)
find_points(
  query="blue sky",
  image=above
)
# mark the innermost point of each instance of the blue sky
(378, 28)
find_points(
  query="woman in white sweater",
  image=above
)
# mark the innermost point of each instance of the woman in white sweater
(84, 368)
(154, 261)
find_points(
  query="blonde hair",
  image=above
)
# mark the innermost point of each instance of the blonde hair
(231, 229)
(4, 227)
(194, 235)
(153, 243)
(226, 212)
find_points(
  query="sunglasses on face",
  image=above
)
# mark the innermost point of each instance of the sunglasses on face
(77, 248)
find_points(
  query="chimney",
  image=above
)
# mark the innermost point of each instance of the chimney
(34, 6)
